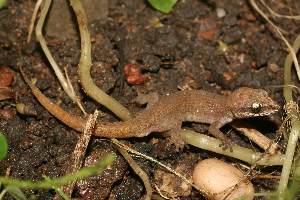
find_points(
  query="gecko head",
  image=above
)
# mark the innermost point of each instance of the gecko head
(247, 102)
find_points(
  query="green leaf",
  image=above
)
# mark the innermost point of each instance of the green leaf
(3, 146)
(15, 192)
(2, 3)
(164, 6)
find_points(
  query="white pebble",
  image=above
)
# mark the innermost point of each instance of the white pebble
(220, 12)
(214, 176)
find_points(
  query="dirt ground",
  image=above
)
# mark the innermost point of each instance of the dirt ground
(183, 53)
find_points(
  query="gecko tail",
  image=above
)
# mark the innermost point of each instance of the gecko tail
(65, 117)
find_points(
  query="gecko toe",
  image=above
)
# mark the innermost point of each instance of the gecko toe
(226, 144)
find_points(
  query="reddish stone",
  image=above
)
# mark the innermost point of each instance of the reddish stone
(228, 76)
(6, 76)
(6, 113)
(133, 74)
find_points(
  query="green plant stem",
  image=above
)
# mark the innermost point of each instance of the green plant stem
(85, 172)
(292, 113)
(2, 193)
(287, 90)
(85, 64)
(57, 189)
(67, 86)
(288, 160)
(244, 154)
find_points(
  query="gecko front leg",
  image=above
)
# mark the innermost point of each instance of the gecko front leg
(214, 129)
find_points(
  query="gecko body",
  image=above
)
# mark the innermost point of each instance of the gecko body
(170, 111)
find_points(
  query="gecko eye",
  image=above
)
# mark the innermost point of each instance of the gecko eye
(256, 107)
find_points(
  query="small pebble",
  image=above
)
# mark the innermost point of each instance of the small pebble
(214, 176)
(221, 12)
(273, 67)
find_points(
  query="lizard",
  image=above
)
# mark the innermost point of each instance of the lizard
(168, 113)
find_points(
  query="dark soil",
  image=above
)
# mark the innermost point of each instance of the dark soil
(184, 53)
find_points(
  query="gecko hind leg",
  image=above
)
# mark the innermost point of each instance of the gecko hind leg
(176, 139)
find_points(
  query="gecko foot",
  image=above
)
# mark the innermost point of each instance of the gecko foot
(177, 141)
(227, 144)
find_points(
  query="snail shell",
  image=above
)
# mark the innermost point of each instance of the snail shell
(25, 110)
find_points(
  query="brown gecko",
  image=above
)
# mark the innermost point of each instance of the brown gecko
(169, 112)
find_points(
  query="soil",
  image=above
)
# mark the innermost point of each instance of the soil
(182, 54)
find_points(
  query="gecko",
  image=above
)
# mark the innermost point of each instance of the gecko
(168, 113)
